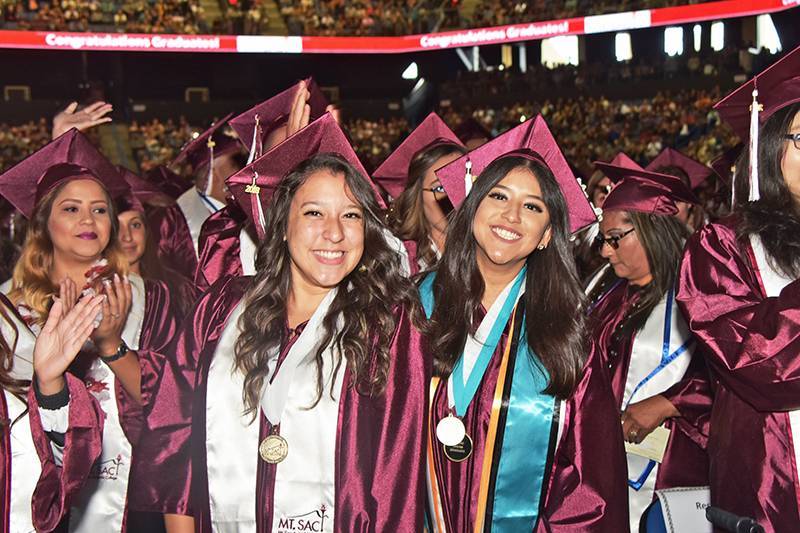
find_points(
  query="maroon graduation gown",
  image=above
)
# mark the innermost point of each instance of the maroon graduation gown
(219, 246)
(380, 483)
(586, 489)
(57, 485)
(753, 351)
(685, 460)
(169, 233)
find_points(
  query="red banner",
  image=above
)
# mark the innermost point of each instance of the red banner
(132, 42)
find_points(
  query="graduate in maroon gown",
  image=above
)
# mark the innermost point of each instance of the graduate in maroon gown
(298, 398)
(740, 293)
(227, 239)
(420, 208)
(67, 190)
(692, 173)
(212, 157)
(139, 247)
(523, 429)
(49, 432)
(660, 382)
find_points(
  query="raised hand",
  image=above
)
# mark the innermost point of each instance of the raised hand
(61, 339)
(300, 115)
(108, 335)
(88, 117)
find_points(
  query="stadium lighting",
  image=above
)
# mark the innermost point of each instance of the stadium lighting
(767, 35)
(718, 36)
(673, 41)
(697, 33)
(622, 46)
(411, 72)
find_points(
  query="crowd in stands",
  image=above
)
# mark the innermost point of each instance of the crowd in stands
(500, 12)
(157, 143)
(133, 16)
(588, 129)
(302, 17)
(20, 140)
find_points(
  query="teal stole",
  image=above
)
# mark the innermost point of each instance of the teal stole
(526, 437)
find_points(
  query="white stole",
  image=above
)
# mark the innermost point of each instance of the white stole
(25, 465)
(773, 282)
(646, 356)
(100, 504)
(304, 481)
(195, 211)
(247, 253)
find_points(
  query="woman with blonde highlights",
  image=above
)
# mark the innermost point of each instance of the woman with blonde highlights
(67, 191)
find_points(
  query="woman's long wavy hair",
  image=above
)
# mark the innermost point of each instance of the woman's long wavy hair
(663, 238)
(366, 300)
(407, 219)
(14, 386)
(31, 283)
(775, 218)
(553, 299)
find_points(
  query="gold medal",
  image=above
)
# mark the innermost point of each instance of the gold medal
(273, 449)
(460, 452)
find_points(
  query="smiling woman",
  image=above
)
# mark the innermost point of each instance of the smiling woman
(304, 375)
(512, 369)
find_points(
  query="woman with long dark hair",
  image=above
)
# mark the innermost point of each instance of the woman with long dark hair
(659, 384)
(740, 292)
(54, 417)
(67, 190)
(420, 208)
(523, 430)
(303, 389)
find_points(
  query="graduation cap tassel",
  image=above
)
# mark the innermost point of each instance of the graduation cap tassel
(210, 179)
(254, 148)
(755, 107)
(254, 190)
(468, 178)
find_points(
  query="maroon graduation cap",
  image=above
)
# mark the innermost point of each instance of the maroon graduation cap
(254, 125)
(637, 189)
(669, 157)
(254, 185)
(392, 174)
(750, 105)
(70, 156)
(531, 138)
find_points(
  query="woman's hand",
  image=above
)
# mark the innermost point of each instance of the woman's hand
(641, 418)
(108, 335)
(67, 294)
(61, 339)
(300, 114)
(84, 119)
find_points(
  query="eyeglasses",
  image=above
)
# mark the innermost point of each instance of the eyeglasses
(439, 189)
(612, 241)
(793, 137)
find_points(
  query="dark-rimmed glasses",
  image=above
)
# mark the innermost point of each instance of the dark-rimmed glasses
(439, 189)
(795, 137)
(612, 241)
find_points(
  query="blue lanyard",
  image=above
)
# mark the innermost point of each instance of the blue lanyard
(464, 392)
(208, 203)
(666, 356)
